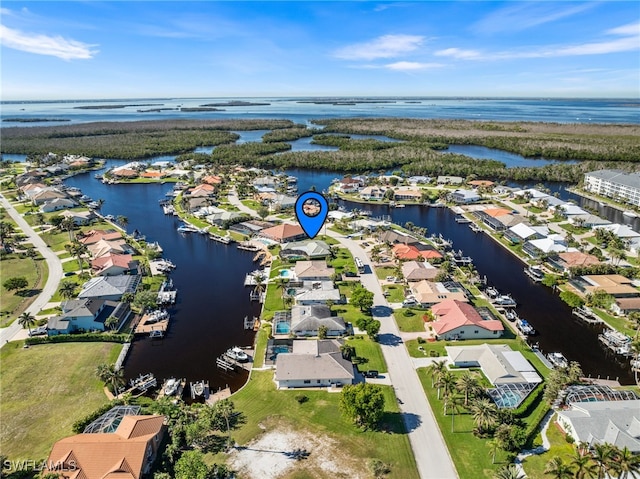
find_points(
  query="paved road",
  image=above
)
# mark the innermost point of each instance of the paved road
(55, 271)
(429, 448)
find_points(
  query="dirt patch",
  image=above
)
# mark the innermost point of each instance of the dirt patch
(276, 453)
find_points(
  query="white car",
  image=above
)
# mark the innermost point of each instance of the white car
(391, 279)
(409, 302)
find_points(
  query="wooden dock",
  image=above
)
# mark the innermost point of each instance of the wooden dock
(179, 391)
(219, 395)
(221, 239)
(145, 328)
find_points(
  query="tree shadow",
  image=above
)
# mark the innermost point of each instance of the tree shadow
(380, 310)
(399, 422)
(389, 339)
(28, 293)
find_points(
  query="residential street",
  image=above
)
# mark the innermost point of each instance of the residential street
(55, 271)
(429, 449)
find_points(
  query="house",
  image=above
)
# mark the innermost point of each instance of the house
(350, 185)
(614, 284)
(531, 194)
(499, 219)
(372, 193)
(222, 217)
(153, 174)
(270, 181)
(79, 217)
(464, 196)
(569, 210)
(317, 292)
(313, 271)
(113, 265)
(306, 249)
(588, 220)
(87, 315)
(407, 195)
(128, 453)
(93, 236)
(523, 232)
(512, 376)
(203, 190)
(413, 252)
(125, 173)
(284, 233)
(480, 183)
(419, 270)
(624, 306)
(212, 180)
(58, 204)
(450, 180)
(104, 247)
(601, 422)
(393, 237)
(250, 227)
(566, 260)
(197, 203)
(282, 201)
(459, 320)
(109, 287)
(415, 180)
(306, 321)
(47, 195)
(616, 184)
(428, 293)
(621, 231)
(553, 243)
(313, 364)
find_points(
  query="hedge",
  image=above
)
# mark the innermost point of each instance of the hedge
(80, 338)
(80, 424)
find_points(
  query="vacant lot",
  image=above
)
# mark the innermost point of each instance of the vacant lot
(44, 389)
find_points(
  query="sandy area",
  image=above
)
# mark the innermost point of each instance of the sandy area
(270, 457)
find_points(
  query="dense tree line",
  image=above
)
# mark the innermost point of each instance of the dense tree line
(346, 143)
(287, 134)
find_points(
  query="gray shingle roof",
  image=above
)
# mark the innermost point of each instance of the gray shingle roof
(617, 176)
(109, 286)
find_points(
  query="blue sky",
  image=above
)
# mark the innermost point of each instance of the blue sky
(92, 49)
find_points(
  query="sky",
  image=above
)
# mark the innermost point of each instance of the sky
(156, 49)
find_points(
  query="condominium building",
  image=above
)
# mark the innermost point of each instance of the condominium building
(616, 184)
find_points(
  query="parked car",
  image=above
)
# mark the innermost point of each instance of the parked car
(409, 302)
(391, 279)
(39, 331)
(371, 373)
(350, 274)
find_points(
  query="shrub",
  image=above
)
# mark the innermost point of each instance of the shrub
(421, 340)
(80, 338)
(301, 398)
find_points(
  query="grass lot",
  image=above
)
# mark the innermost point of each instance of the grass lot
(253, 204)
(396, 293)
(343, 261)
(320, 415)
(45, 389)
(407, 323)
(534, 465)
(12, 303)
(413, 346)
(382, 273)
(371, 353)
(576, 230)
(262, 339)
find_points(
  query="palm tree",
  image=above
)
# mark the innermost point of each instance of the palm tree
(67, 289)
(467, 384)
(454, 404)
(112, 378)
(448, 384)
(436, 369)
(281, 284)
(582, 464)
(484, 413)
(77, 249)
(122, 221)
(348, 351)
(625, 463)
(260, 285)
(226, 409)
(603, 456)
(68, 224)
(111, 322)
(494, 446)
(557, 468)
(509, 472)
(26, 320)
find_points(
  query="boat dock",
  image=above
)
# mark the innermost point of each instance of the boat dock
(177, 394)
(142, 384)
(586, 315)
(205, 390)
(253, 323)
(221, 239)
(219, 395)
(167, 294)
(248, 246)
(160, 266)
(227, 364)
(149, 323)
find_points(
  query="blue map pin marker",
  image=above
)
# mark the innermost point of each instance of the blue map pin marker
(311, 211)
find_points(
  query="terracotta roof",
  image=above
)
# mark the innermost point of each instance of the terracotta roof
(212, 180)
(402, 251)
(107, 261)
(577, 258)
(480, 183)
(283, 232)
(152, 174)
(495, 212)
(120, 454)
(453, 314)
(94, 236)
(126, 172)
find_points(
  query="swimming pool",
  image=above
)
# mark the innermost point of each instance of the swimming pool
(508, 399)
(282, 327)
(286, 273)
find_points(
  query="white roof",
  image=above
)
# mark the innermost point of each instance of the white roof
(548, 245)
(571, 210)
(622, 231)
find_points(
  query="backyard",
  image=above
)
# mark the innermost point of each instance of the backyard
(50, 386)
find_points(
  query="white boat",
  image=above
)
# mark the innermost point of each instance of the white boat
(462, 220)
(535, 273)
(156, 334)
(198, 388)
(475, 228)
(171, 386)
(237, 354)
(630, 214)
(506, 301)
(492, 292)
(558, 360)
(511, 315)
(524, 326)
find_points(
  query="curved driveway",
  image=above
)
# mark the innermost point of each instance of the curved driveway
(53, 262)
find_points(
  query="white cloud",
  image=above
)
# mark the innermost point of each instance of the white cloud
(412, 66)
(458, 53)
(45, 45)
(629, 29)
(386, 46)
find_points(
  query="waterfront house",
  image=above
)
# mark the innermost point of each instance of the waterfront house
(569, 210)
(617, 184)
(212, 180)
(127, 173)
(419, 270)
(58, 204)
(498, 219)
(317, 292)
(279, 201)
(221, 217)
(44, 196)
(113, 265)
(392, 237)
(196, 204)
(554, 243)
(413, 252)
(531, 194)
(588, 220)
(512, 376)
(566, 260)
(350, 185)
(313, 364)
(523, 232)
(306, 249)
(153, 174)
(128, 453)
(270, 181)
(459, 320)
(415, 180)
(372, 193)
(480, 184)
(251, 227)
(79, 217)
(313, 271)
(621, 231)
(110, 287)
(202, 190)
(464, 196)
(337, 215)
(450, 180)
(616, 285)
(93, 236)
(105, 247)
(284, 233)
(307, 319)
(603, 422)
(407, 195)
(624, 306)
(428, 293)
(87, 315)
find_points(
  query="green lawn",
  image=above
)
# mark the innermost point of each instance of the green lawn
(415, 351)
(396, 293)
(410, 319)
(253, 204)
(370, 352)
(534, 465)
(620, 324)
(382, 273)
(13, 304)
(45, 389)
(261, 345)
(266, 408)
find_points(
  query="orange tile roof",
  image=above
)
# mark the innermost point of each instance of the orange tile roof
(109, 260)
(126, 172)
(495, 212)
(402, 251)
(117, 455)
(212, 179)
(453, 314)
(283, 232)
(152, 174)
(94, 236)
(481, 183)
(577, 258)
